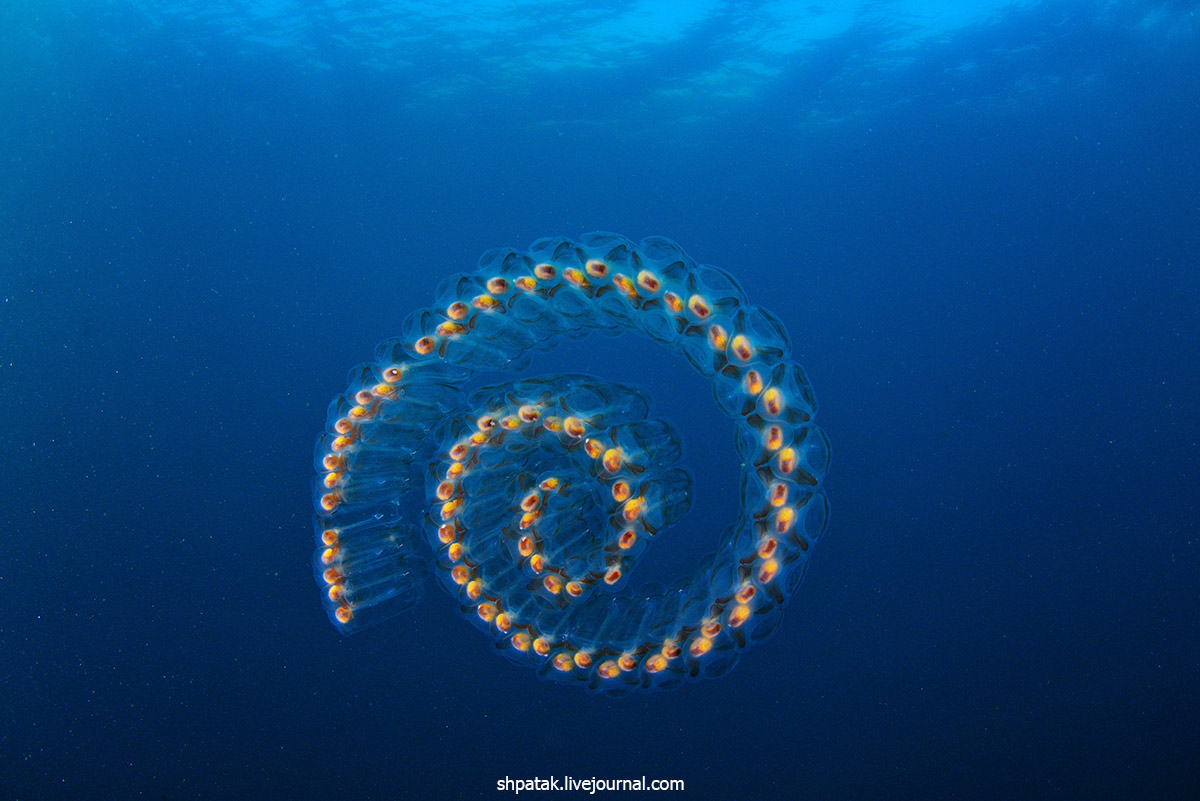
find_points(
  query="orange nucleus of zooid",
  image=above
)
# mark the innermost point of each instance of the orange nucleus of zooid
(613, 460)
(497, 286)
(774, 438)
(738, 615)
(553, 584)
(772, 402)
(700, 646)
(742, 348)
(344, 614)
(460, 574)
(785, 518)
(544, 271)
(608, 669)
(786, 460)
(596, 268)
(621, 491)
(753, 382)
(767, 571)
(563, 661)
(485, 302)
(575, 277)
(648, 281)
(633, 508)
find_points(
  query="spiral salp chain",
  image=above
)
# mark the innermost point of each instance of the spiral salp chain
(539, 495)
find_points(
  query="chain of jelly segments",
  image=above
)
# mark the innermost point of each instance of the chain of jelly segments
(504, 475)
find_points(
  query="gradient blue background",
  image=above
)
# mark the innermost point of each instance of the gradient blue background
(980, 222)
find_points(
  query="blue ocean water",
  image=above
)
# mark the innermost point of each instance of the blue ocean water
(979, 222)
